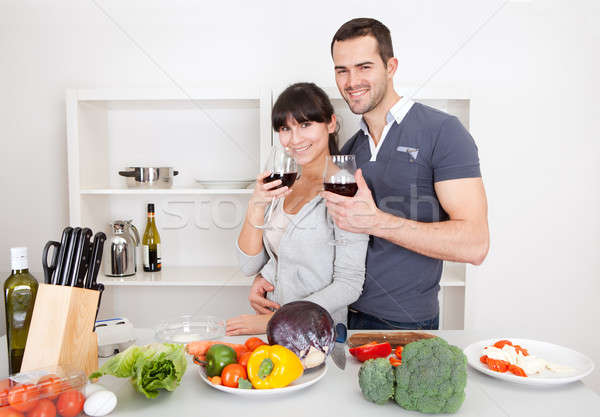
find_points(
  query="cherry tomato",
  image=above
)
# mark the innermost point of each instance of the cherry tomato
(44, 408)
(10, 412)
(50, 386)
(70, 403)
(253, 342)
(3, 397)
(243, 360)
(232, 373)
(395, 361)
(500, 343)
(398, 352)
(23, 397)
(498, 365)
(518, 371)
(521, 350)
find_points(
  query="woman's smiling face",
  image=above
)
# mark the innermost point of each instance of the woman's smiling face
(307, 141)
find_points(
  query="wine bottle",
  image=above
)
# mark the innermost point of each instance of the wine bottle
(20, 289)
(151, 243)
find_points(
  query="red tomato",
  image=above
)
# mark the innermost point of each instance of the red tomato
(44, 408)
(50, 386)
(10, 412)
(500, 343)
(498, 365)
(70, 403)
(517, 370)
(23, 397)
(519, 349)
(253, 342)
(395, 361)
(243, 360)
(3, 397)
(5, 386)
(232, 373)
(398, 352)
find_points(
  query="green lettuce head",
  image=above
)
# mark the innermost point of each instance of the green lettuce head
(151, 368)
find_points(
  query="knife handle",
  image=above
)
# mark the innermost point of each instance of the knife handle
(95, 260)
(341, 333)
(68, 259)
(80, 261)
(64, 243)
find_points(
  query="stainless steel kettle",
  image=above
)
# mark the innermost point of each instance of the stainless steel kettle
(120, 259)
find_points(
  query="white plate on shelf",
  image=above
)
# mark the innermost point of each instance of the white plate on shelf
(225, 184)
(581, 364)
(306, 380)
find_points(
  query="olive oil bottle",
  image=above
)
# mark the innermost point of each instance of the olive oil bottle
(20, 289)
(151, 243)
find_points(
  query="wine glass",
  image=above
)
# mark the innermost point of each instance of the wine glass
(283, 167)
(338, 178)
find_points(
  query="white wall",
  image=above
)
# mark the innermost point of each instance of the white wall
(530, 70)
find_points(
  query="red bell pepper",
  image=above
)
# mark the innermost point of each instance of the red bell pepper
(371, 351)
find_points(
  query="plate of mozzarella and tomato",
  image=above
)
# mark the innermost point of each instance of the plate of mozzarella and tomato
(529, 362)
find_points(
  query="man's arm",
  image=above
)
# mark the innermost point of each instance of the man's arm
(463, 238)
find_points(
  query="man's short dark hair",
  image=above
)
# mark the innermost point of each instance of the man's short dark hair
(364, 26)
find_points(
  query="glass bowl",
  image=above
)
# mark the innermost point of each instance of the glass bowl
(189, 328)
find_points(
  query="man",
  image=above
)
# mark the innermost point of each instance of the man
(420, 194)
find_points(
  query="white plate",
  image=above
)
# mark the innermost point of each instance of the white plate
(306, 380)
(581, 364)
(237, 184)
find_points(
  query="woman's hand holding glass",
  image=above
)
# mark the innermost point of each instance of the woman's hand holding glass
(264, 193)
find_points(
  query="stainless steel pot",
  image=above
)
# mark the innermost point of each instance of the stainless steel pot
(149, 177)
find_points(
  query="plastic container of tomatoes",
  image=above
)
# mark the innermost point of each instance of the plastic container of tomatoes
(47, 392)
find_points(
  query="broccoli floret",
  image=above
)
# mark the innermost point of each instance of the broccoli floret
(376, 380)
(432, 377)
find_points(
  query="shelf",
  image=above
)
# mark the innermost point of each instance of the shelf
(183, 276)
(453, 275)
(164, 191)
(229, 276)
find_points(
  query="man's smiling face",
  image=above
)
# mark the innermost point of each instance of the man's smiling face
(360, 73)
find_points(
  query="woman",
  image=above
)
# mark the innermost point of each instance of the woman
(294, 253)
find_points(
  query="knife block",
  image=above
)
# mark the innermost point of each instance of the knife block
(61, 329)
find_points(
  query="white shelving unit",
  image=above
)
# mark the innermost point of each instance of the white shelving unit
(210, 134)
(172, 191)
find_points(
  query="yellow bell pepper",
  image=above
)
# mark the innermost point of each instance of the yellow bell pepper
(273, 367)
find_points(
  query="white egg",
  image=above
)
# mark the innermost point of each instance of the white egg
(90, 388)
(100, 403)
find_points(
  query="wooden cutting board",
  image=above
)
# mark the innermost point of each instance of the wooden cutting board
(395, 338)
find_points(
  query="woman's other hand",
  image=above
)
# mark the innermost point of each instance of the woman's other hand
(257, 297)
(248, 324)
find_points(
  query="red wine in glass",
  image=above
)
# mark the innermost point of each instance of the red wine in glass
(287, 179)
(347, 190)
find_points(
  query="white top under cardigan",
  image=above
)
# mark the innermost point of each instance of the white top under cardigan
(308, 267)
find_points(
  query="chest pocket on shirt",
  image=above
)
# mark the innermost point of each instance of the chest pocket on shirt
(401, 171)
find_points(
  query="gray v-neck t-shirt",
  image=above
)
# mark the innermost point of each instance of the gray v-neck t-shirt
(426, 147)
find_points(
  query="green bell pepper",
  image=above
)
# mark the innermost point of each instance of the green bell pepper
(217, 358)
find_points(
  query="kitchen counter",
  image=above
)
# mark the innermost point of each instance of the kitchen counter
(338, 393)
